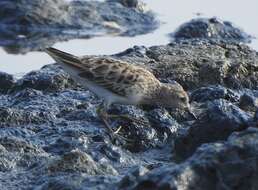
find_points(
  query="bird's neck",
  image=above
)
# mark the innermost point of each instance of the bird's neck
(153, 96)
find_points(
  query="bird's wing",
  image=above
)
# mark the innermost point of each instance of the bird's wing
(119, 77)
(114, 75)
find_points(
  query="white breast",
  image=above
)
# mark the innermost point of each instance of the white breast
(98, 90)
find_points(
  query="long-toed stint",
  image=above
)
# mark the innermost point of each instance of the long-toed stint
(118, 82)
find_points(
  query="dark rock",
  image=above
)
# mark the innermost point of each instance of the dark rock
(55, 184)
(228, 165)
(248, 102)
(88, 114)
(77, 161)
(30, 106)
(17, 145)
(67, 143)
(16, 152)
(135, 128)
(10, 116)
(211, 28)
(136, 54)
(39, 12)
(76, 181)
(256, 117)
(26, 94)
(219, 120)
(110, 153)
(133, 175)
(164, 123)
(52, 138)
(199, 63)
(27, 25)
(49, 78)
(6, 82)
(214, 92)
(127, 3)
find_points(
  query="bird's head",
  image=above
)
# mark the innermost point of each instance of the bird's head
(172, 95)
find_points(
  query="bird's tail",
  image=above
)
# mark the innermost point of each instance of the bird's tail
(63, 57)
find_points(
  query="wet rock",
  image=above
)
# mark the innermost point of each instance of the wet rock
(17, 145)
(67, 141)
(135, 128)
(10, 116)
(131, 178)
(214, 92)
(165, 125)
(127, 3)
(256, 116)
(55, 184)
(110, 152)
(52, 138)
(226, 165)
(49, 78)
(188, 62)
(27, 94)
(6, 82)
(248, 102)
(219, 119)
(89, 114)
(77, 181)
(31, 106)
(213, 28)
(16, 152)
(77, 161)
(135, 55)
(37, 12)
(27, 25)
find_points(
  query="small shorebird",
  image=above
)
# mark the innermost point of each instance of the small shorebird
(119, 82)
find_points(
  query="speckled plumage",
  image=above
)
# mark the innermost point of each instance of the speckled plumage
(119, 77)
(119, 82)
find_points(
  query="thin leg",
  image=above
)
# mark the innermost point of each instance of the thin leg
(139, 121)
(101, 111)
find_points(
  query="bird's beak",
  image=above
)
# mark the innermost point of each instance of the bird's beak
(190, 112)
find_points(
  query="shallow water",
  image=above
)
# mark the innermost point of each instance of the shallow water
(172, 14)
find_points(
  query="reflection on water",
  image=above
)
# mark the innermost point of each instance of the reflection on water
(241, 13)
(20, 64)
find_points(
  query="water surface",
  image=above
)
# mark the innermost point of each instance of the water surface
(171, 13)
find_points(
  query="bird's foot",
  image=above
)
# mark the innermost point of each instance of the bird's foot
(115, 137)
(119, 139)
(117, 131)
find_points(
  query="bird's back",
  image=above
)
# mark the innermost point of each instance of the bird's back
(116, 76)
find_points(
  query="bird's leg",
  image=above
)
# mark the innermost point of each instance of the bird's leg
(127, 117)
(102, 112)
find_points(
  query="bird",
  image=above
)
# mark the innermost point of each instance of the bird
(119, 82)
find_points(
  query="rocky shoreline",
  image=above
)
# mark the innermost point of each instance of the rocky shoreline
(51, 137)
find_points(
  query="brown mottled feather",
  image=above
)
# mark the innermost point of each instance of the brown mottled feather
(114, 75)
